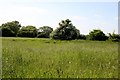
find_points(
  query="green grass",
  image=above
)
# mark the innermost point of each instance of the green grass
(45, 58)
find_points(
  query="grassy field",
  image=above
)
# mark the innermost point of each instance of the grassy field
(45, 58)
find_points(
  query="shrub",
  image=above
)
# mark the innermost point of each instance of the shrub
(97, 35)
(114, 37)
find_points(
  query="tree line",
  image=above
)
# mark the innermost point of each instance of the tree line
(65, 31)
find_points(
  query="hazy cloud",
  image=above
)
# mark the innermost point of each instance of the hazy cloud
(98, 15)
(25, 14)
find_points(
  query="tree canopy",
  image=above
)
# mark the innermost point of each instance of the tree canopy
(10, 29)
(28, 31)
(44, 32)
(65, 31)
(97, 34)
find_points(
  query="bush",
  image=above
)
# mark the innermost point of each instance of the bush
(114, 37)
(97, 35)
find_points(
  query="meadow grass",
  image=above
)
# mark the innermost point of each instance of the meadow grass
(45, 58)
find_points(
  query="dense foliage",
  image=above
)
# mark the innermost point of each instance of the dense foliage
(44, 32)
(7, 32)
(97, 34)
(82, 36)
(114, 37)
(65, 31)
(28, 31)
(10, 29)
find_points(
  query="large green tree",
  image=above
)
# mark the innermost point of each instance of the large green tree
(10, 29)
(44, 32)
(65, 31)
(97, 34)
(28, 31)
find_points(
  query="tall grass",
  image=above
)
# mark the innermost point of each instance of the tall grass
(45, 58)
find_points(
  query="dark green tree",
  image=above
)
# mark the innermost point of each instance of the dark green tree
(97, 34)
(82, 36)
(65, 31)
(10, 29)
(44, 32)
(114, 37)
(28, 31)
(6, 32)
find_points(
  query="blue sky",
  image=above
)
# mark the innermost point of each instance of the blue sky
(84, 15)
